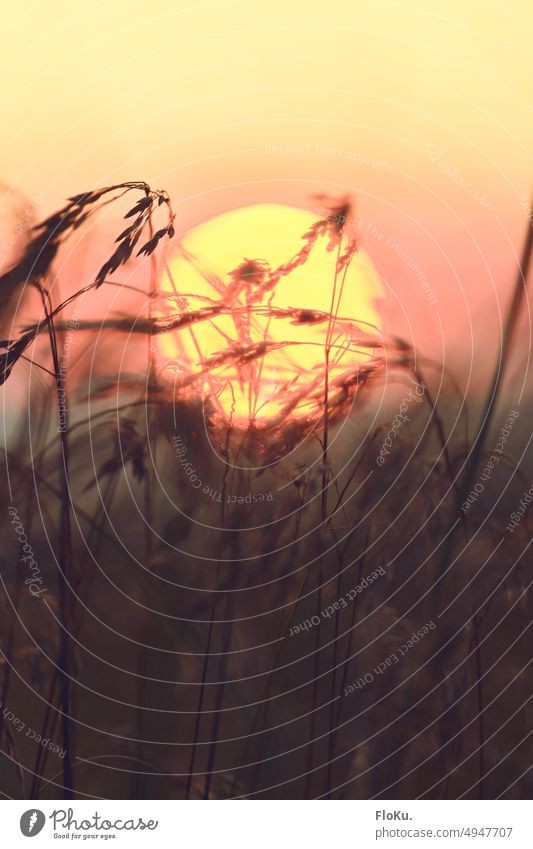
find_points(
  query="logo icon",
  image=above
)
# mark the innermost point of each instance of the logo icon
(32, 822)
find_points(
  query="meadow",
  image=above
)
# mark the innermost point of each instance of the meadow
(329, 602)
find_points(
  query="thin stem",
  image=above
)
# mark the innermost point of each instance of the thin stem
(65, 557)
(480, 718)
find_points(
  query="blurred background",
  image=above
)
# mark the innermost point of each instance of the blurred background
(422, 113)
(182, 679)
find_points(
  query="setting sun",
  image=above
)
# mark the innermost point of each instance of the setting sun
(266, 352)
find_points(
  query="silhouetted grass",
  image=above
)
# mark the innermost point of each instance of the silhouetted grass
(173, 669)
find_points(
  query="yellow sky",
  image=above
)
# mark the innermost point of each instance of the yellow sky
(422, 110)
(191, 93)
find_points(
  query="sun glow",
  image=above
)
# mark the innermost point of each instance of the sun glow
(264, 354)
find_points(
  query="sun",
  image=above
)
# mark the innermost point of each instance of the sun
(285, 295)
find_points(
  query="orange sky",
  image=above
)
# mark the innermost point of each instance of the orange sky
(422, 110)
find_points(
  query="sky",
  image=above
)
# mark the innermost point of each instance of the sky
(422, 112)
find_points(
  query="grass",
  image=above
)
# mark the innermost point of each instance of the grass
(163, 653)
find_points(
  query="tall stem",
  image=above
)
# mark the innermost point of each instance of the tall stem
(65, 558)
